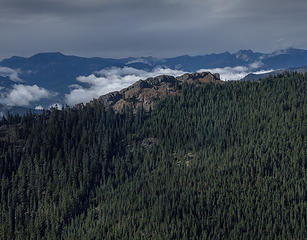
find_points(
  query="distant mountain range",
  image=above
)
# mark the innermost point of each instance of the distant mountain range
(44, 79)
(255, 77)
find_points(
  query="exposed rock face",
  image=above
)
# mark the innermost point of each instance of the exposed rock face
(110, 98)
(203, 77)
(143, 93)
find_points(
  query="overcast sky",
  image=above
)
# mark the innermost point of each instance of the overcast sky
(120, 28)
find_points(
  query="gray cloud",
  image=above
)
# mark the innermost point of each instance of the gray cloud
(160, 28)
(23, 95)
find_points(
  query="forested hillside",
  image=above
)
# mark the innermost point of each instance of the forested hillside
(218, 161)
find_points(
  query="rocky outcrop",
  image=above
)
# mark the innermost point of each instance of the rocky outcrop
(203, 77)
(110, 98)
(144, 93)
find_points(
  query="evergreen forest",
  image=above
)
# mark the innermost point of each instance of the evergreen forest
(218, 161)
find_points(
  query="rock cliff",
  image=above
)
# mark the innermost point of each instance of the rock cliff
(144, 93)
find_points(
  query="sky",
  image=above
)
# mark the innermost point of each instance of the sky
(159, 28)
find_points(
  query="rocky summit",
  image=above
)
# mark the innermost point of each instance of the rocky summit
(143, 93)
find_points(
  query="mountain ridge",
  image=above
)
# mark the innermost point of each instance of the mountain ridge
(57, 72)
(169, 60)
(144, 93)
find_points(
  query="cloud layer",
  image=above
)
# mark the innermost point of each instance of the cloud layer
(115, 79)
(108, 80)
(233, 73)
(99, 83)
(23, 95)
(120, 28)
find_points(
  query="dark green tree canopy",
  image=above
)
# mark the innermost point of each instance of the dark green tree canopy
(219, 161)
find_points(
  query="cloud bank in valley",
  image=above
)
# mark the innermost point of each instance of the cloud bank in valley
(109, 80)
(20, 94)
(115, 79)
(233, 73)
(23, 95)
(98, 83)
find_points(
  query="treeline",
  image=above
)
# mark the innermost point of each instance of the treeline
(220, 161)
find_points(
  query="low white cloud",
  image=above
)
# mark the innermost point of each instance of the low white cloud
(11, 73)
(39, 107)
(256, 65)
(23, 95)
(111, 79)
(139, 60)
(56, 105)
(263, 71)
(234, 73)
(115, 79)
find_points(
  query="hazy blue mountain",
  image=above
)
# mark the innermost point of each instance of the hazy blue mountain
(56, 71)
(5, 82)
(280, 59)
(255, 77)
(194, 63)
(4, 110)
(285, 59)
